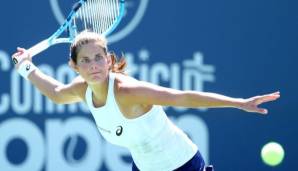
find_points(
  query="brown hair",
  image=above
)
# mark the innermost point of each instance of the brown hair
(85, 37)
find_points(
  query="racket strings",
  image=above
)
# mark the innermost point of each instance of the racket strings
(97, 15)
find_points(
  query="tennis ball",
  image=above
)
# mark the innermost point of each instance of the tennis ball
(272, 153)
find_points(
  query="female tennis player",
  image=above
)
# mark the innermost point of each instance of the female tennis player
(129, 112)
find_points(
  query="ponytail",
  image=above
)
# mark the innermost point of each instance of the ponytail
(118, 66)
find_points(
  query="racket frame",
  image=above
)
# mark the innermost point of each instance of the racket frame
(72, 31)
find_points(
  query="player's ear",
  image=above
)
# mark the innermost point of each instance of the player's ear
(109, 58)
(73, 66)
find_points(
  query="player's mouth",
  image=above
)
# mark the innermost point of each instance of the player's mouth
(95, 73)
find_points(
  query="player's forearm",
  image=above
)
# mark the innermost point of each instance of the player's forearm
(45, 84)
(211, 100)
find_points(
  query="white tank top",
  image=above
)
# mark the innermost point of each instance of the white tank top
(155, 143)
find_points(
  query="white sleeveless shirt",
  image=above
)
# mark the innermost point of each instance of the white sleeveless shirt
(154, 142)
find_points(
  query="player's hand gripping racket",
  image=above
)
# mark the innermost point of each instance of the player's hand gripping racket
(100, 16)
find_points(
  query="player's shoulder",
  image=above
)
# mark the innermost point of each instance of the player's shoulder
(124, 86)
(78, 82)
(124, 80)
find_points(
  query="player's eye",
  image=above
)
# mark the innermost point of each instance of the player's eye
(98, 57)
(85, 60)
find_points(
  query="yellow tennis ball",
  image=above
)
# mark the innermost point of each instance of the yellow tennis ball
(272, 154)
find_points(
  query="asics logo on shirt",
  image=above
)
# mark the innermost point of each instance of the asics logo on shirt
(119, 130)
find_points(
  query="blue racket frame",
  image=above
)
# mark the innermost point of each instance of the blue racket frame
(67, 25)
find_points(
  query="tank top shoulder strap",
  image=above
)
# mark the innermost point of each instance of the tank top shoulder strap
(88, 97)
(111, 95)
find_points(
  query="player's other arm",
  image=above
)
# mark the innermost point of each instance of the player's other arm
(146, 93)
(48, 86)
(56, 91)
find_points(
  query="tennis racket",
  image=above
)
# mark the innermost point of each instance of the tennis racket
(100, 16)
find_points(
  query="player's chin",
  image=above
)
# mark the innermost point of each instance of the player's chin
(96, 79)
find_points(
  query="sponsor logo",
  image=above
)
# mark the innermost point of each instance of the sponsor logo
(28, 66)
(103, 129)
(119, 130)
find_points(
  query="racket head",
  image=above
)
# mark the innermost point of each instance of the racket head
(100, 16)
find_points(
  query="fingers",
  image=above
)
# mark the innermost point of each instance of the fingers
(268, 98)
(276, 94)
(19, 52)
(19, 56)
(264, 99)
(262, 111)
(15, 54)
(20, 49)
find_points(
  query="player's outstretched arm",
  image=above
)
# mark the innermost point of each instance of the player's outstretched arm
(147, 93)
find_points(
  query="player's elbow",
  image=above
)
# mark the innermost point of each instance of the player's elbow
(55, 98)
(57, 101)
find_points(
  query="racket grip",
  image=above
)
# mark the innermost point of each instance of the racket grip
(39, 47)
(209, 168)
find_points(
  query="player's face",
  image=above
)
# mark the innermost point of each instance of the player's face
(93, 63)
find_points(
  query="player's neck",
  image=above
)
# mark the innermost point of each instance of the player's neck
(100, 90)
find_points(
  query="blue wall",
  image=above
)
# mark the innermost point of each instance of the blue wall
(236, 48)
